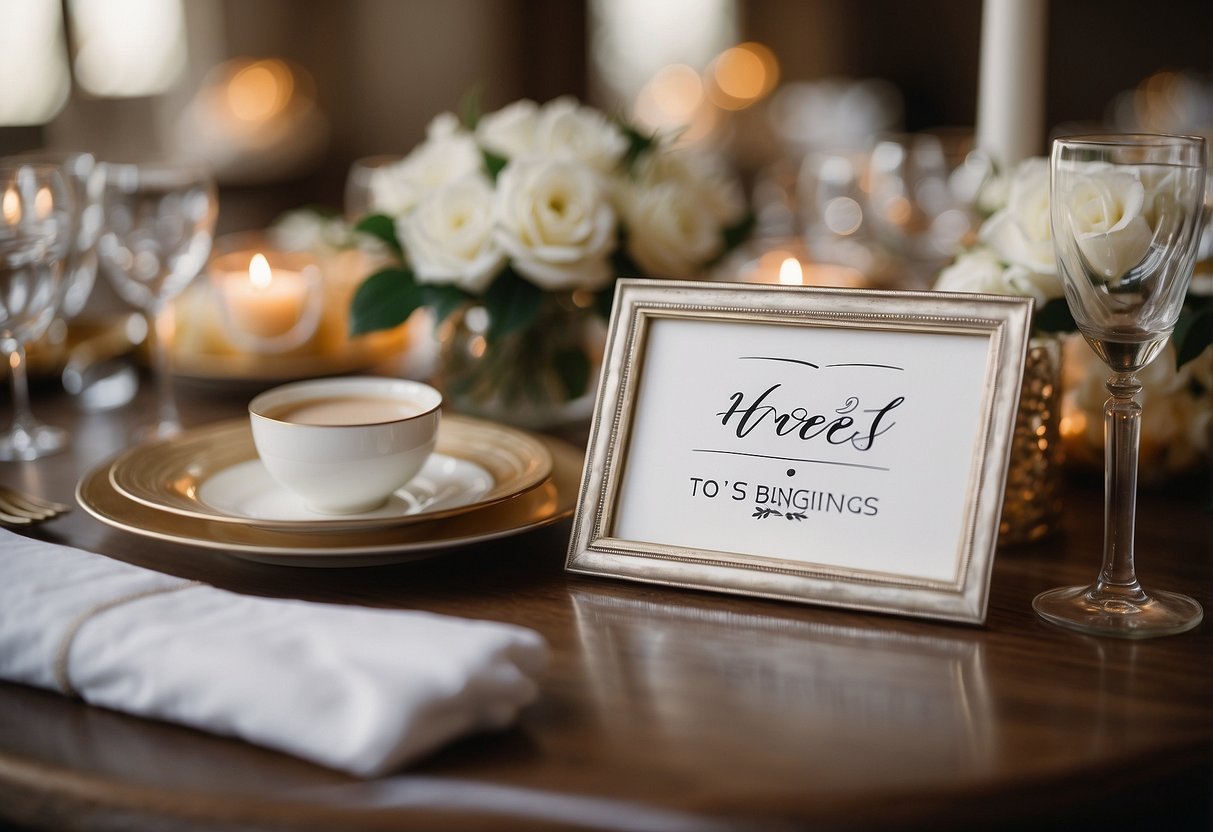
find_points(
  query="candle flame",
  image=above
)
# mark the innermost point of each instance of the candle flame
(11, 207)
(43, 202)
(259, 271)
(790, 273)
(260, 90)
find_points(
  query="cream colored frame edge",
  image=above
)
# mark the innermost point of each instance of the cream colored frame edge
(592, 551)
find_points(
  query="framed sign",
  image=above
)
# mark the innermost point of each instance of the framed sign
(841, 447)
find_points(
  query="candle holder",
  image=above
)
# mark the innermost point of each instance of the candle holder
(788, 261)
(270, 300)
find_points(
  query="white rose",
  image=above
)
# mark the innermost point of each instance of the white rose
(565, 129)
(554, 221)
(443, 126)
(672, 232)
(992, 193)
(449, 235)
(510, 131)
(305, 230)
(706, 176)
(981, 270)
(447, 154)
(1105, 214)
(1021, 231)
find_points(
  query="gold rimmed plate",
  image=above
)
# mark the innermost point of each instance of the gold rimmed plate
(548, 502)
(212, 473)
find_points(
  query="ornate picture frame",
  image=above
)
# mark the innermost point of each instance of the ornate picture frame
(834, 446)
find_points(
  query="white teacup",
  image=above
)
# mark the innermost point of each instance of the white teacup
(345, 445)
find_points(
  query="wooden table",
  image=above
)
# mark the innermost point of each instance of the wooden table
(669, 710)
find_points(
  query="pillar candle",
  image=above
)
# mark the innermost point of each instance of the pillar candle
(264, 302)
(1010, 102)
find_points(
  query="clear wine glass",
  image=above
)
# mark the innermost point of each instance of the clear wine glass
(83, 174)
(1127, 212)
(35, 232)
(159, 226)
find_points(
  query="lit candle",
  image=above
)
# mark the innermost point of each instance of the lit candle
(789, 269)
(1010, 99)
(11, 206)
(264, 302)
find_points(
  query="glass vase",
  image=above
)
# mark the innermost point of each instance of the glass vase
(1031, 507)
(542, 377)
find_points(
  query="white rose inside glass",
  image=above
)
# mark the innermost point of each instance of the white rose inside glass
(1127, 212)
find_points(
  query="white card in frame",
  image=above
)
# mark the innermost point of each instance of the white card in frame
(833, 446)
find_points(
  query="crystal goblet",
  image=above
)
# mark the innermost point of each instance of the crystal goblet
(84, 175)
(159, 226)
(36, 210)
(1126, 212)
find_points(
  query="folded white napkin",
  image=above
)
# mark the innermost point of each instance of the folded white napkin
(353, 688)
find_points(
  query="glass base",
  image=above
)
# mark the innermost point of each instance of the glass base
(32, 442)
(1106, 612)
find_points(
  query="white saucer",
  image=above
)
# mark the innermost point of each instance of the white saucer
(247, 490)
(213, 473)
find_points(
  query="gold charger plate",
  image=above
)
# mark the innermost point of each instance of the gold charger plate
(543, 505)
(246, 369)
(169, 474)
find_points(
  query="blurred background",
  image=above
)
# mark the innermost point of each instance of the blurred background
(282, 95)
(851, 124)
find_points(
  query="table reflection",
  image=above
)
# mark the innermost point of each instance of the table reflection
(701, 677)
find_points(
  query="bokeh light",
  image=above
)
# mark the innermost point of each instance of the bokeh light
(743, 75)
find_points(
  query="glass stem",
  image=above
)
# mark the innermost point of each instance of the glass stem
(23, 417)
(1122, 434)
(159, 327)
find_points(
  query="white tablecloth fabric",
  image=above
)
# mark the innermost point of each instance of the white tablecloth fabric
(352, 688)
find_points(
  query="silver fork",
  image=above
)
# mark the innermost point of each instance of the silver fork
(19, 509)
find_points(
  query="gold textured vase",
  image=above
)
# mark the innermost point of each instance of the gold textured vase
(1031, 506)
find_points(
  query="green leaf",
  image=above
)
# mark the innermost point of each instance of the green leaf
(513, 304)
(1055, 316)
(443, 300)
(604, 301)
(1193, 334)
(638, 143)
(737, 234)
(622, 264)
(469, 107)
(734, 236)
(383, 228)
(573, 368)
(493, 163)
(384, 301)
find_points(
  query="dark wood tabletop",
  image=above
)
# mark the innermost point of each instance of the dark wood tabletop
(670, 709)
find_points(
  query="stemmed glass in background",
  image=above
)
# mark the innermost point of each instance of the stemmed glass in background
(36, 209)
(1127, 212)
(159, 225)
(83, 174)
(913, 209)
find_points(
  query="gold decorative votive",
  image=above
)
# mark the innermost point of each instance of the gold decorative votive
(1031, 506)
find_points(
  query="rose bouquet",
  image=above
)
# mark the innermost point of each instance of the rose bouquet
(1014, 256)
(515, 225)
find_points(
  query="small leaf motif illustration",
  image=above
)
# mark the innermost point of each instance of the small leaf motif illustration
(764, 513)
(797, 516)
